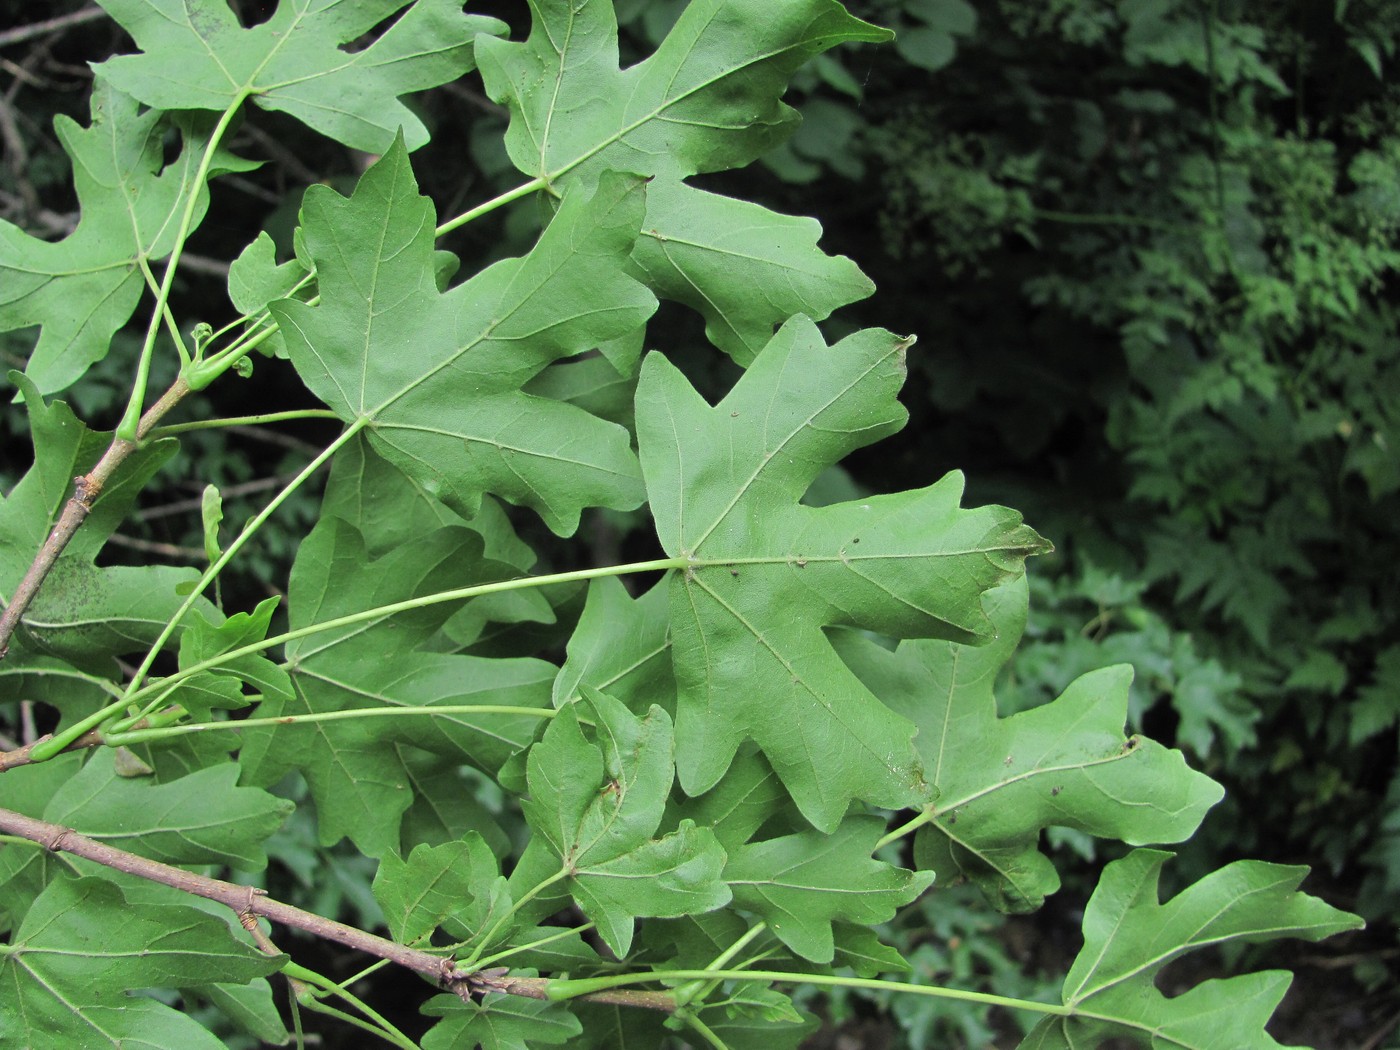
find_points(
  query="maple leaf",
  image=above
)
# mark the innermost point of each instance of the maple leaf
(595, 806)
(1129, 937)
(197, 56)
(68, 970)
(439, 374)
(457, 885)
(84, 614)
(708, 99)
(767, 575)
(800, 884)
(81, 289)
(1000, 781)
(358, 774)
(498, 1022)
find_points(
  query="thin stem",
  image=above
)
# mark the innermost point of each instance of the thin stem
(50, 25)
(119, 737)
(381, 611)
(254, 524)
(46, 749)
(523, 190)
(126, 430)
(244, 421)
(925, 816)
(381, 1027)
(481, 964)
(692, 990)
(471, 962)
(567, 989)
(706, 1033)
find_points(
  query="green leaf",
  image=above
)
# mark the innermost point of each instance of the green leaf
(800, 884)
(744, 268)
(81, 289)
(195, 55)
(221, 687)
(767, 574)
(597, 806)
(707, 100)
(439, 374)
(83, 614)
(753, 1016)
(457, 886)
(621, 646)
(202, 818)
(251, 1007)
(498, 1022)
(1001, 780)
(357, 773)
(747, 795)
(66, 976)
(1129, 937)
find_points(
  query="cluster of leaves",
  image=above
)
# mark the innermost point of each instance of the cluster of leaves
(1181, 219)
(727, 781)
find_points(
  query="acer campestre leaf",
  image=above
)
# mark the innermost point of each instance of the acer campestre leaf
(800, 884)
(768, 575)
(222, 686)
(440, 374)
(744, 268)
(708, 99)
(196, 55)
(1129, 936)
(81, 289)
(595, 807)
(83, 614)
(457, 886)
(202, 818)
(498, 1022)
(358, 774)
(1000, 781)
(621, 646)
(68, 972)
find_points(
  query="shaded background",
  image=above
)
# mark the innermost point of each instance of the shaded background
(1150, 251)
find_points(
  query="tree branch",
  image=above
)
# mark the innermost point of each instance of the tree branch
(86, 489)
(248, 902)
(51, 25)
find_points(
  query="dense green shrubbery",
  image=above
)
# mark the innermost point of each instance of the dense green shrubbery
(1147, 246)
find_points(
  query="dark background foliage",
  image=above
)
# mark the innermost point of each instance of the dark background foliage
(1150, 250)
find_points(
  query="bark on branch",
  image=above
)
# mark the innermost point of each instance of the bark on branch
(246, 902)
(86, 489)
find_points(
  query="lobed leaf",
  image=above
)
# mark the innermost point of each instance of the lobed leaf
(1000, 781)
(358, 773)
(82, 289)
(440, 374)
(1129, 937)
(67, 974)
(708, 99)
(83, 614)
(800, 884)
(595, 808)
(768, 575)
(195, 55)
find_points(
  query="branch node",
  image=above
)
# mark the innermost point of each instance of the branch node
(56, 842)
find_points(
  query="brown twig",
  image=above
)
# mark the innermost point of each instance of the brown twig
(86, 489)
(52, 25)
(19, 756)
(247, 903)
